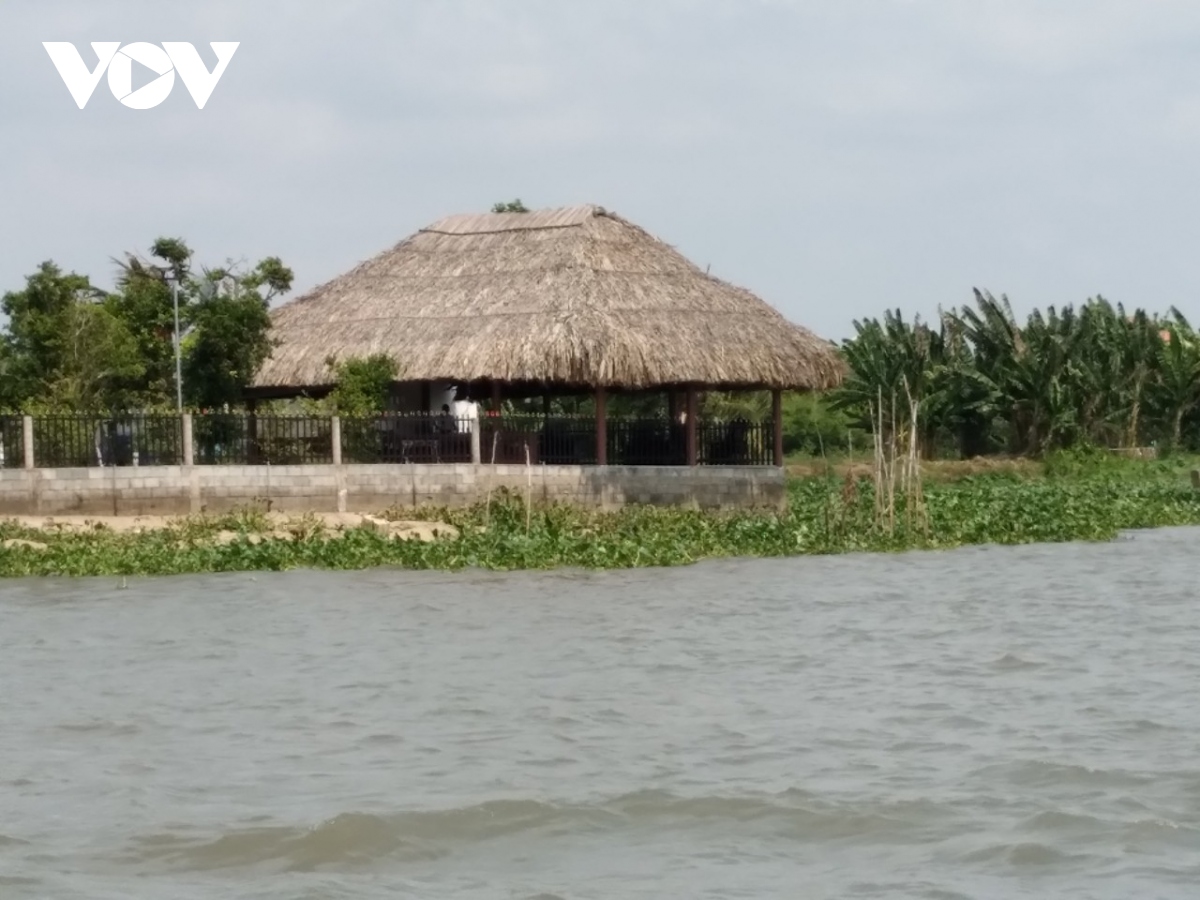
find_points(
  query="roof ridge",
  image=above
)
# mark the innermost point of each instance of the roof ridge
(534, 220)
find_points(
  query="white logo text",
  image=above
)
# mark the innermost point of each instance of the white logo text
(163, 61)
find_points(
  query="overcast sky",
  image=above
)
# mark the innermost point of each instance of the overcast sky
(837, 158)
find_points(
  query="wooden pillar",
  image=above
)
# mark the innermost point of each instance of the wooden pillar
(494, 434)
(777, 425)
(693, 413)
(601, 427)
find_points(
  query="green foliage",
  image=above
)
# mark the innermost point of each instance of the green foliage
(230, 337)
(512, 206)
(1092, 503)
(143, 301)
(813, 426)
(753, 406)
(1084, 460)
(985, 382)
(63, 344)
(70, 346)
(99, 357)
(1178, 371)
(362, 384)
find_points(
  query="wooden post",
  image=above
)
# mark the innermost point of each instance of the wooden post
(777, 425)
(495, 433)
(335, 439)
(27, 441)
(601, 427)
(693, 413)
(189, 447)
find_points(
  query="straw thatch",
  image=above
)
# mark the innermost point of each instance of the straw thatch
(574, 296)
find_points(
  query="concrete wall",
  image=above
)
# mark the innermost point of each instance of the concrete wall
(182, 490)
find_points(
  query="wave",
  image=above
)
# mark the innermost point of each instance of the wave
(358, 839)
(1012, 662)
(99, 726)
(1042, 773)
(1027, 854)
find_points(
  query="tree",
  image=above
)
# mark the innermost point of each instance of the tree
(46, 352)
(891, 361)
(8, 379)
(71, 345)
(144, 302)
(512, 206)
(1177, 387)
(230, 331)
(99, 358)
(223, 320)
(1096, 375)
(811, 425)
(363, 384)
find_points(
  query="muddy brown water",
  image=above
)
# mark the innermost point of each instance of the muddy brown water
(983, 723)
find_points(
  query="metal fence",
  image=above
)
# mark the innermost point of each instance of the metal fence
(406, 438)
(12, 442)
(248, 439)
(239, 439)
(736, 443)
(629, 442)
(65, 441)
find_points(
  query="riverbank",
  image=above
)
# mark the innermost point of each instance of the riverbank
(823, 516)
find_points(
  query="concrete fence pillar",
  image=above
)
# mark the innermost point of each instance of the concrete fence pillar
(27, 441)
(189, 445)
(335, 439)
(476, 450)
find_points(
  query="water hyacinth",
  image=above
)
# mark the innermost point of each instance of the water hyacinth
(823, 516)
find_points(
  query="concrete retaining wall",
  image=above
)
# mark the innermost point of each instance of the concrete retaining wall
(183, 490)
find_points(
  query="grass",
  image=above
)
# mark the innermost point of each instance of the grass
(1069, 497)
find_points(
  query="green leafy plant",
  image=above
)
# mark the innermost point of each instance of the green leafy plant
(1083, 500)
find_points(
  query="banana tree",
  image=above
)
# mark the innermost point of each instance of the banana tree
(890, 361)
(1178, 383)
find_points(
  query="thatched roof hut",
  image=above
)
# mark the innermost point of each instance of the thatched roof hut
(574, 297)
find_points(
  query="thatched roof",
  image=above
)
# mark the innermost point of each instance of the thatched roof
(574, 296)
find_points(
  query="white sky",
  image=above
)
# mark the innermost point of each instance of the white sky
(837, 157)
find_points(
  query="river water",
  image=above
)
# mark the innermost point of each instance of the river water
(983, 723)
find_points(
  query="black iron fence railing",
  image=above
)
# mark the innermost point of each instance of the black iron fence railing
(12, 442)
(628, 442)
(65, 441)
(736, 443)
(241, 439)
(406, 438)
(249, 439)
